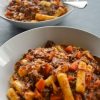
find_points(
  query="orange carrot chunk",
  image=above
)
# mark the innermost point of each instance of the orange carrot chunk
(37, 94)
(78, 55)
(70, 78)
(74, 66)
(55, 97)
(69, 49)
(40, 85)
(48, 68)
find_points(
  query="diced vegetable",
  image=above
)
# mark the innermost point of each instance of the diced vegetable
(70, 77)
(55, 97)
(40, 85)
(9, 13)
(74, 66)
(37, 94)
(69, 49)
(48, 68)
(78, 55)
(22, 71)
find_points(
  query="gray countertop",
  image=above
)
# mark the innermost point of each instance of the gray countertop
(87, 19)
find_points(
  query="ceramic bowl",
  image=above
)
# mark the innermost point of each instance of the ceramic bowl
(13, 49)
(29, 25)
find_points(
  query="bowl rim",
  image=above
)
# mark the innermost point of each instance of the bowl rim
(70, 9)
(67, 27)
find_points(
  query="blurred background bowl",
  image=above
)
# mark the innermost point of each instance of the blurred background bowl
(29, 25)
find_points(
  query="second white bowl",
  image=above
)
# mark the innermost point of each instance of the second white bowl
(29, 25)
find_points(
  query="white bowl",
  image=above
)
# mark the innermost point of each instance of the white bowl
(14, 48)
(29, 25)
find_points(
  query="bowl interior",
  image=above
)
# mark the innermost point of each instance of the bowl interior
(12, 50)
